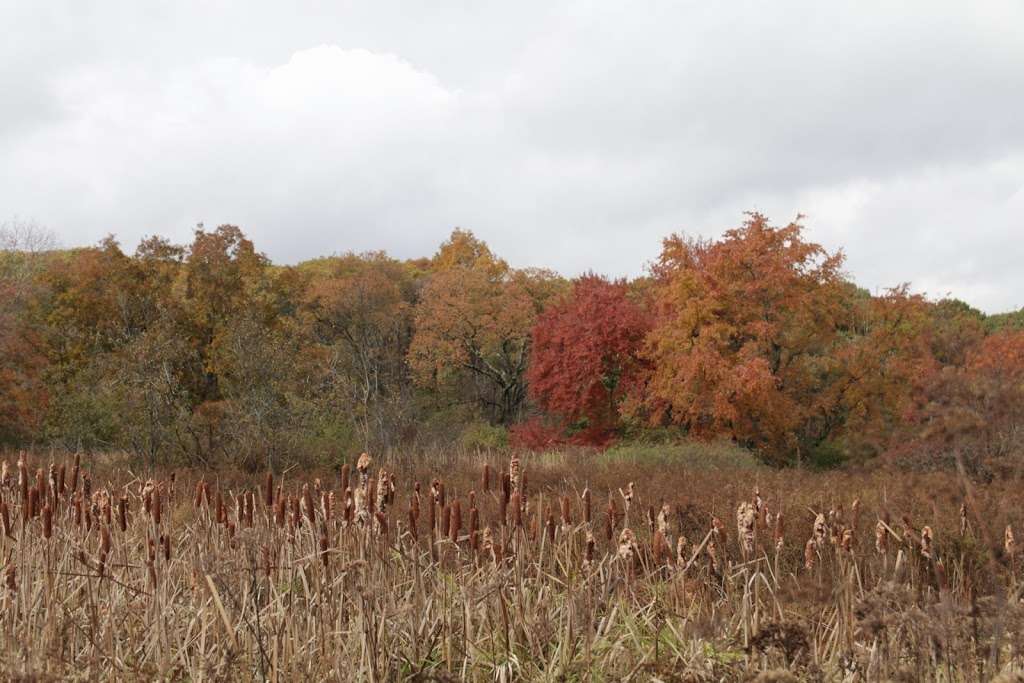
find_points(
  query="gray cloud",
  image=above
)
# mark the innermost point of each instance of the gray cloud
(569, 135)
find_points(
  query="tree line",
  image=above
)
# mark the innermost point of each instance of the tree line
(209, 353)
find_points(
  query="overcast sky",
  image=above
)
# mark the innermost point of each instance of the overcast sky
(568, 135)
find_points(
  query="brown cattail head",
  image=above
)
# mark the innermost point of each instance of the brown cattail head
(76, 467)
(485, 478)
(474, 526)
(346, 469)
(778, 533)
(279, 511)
(549, 527)
(432, 518)
(659, 547)
(32, 509)
(586, 506)
(47, 521)
(165, 540)
(10, 576)
(566, 513)
(61, 478)
(413, 524)
(588, 555)
(157, 507)
(268, 491)
(324, 556)
(517, 511)
(122, 512)
(5, 518)
(446, 521)
(506, 487)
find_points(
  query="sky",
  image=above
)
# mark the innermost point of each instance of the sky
(568, 135)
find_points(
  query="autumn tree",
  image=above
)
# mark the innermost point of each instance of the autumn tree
(585, 354)
(744, 337)
(24, 395)
(975, 412)
(472, 328)
(360, 317)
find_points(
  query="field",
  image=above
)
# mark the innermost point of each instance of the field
(563, 566)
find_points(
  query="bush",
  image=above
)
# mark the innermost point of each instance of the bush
(483, 436)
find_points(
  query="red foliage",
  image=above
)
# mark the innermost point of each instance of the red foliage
(584, 357)
(535, 435)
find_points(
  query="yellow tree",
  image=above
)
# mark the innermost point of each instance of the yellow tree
(472, 328)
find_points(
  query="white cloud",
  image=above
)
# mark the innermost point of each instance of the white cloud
(568, 135)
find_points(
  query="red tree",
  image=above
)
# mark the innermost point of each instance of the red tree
(584, 356)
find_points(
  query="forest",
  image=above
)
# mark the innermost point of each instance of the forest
(209, 353)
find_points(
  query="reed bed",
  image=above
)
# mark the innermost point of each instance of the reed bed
(489, 568)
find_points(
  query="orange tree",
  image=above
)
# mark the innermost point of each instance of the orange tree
(472, 329)
(744, 339)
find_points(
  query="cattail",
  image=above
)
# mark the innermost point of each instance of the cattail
(778, 533)
(268, 491)
(78, 511)
(382, 523)
(86, 484)
(346, 469)
(506, 487)
(198, 503)
(1009, 545)
(588, 553)
(33, 503)
(327, 503)
(746, 518)
(104, 548)
(550, 526)
(47, 521)
(455, 525)
(156, 507)
(61, 475)
(659, 547)
(432, 519)
(446, 521)
(231, 528)
(566, 513)
(809, 551)
(513, 473)
(503, 509)
(586, 505)
(881, 538)
(52, 478)
(609, 520)
(819, 532)
(296, 511)
(5, 517)
(474, 525)
(26, 508)
(279, 512)
(681, 550)
(926, 542)
(413, 527)
(517, 511)
(662, 522)
(846, 540)
(323, 549)
(10, 574)
(122, 512)
(485, 478)
(382, 490)
(627, 545)
(371, 495)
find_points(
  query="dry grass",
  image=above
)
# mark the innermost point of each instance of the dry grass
(605, 570)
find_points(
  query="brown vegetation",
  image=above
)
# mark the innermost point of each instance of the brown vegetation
(376, 575)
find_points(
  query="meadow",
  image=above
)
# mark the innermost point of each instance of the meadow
(628, 565)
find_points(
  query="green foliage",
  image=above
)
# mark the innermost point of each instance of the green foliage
(483, 436)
